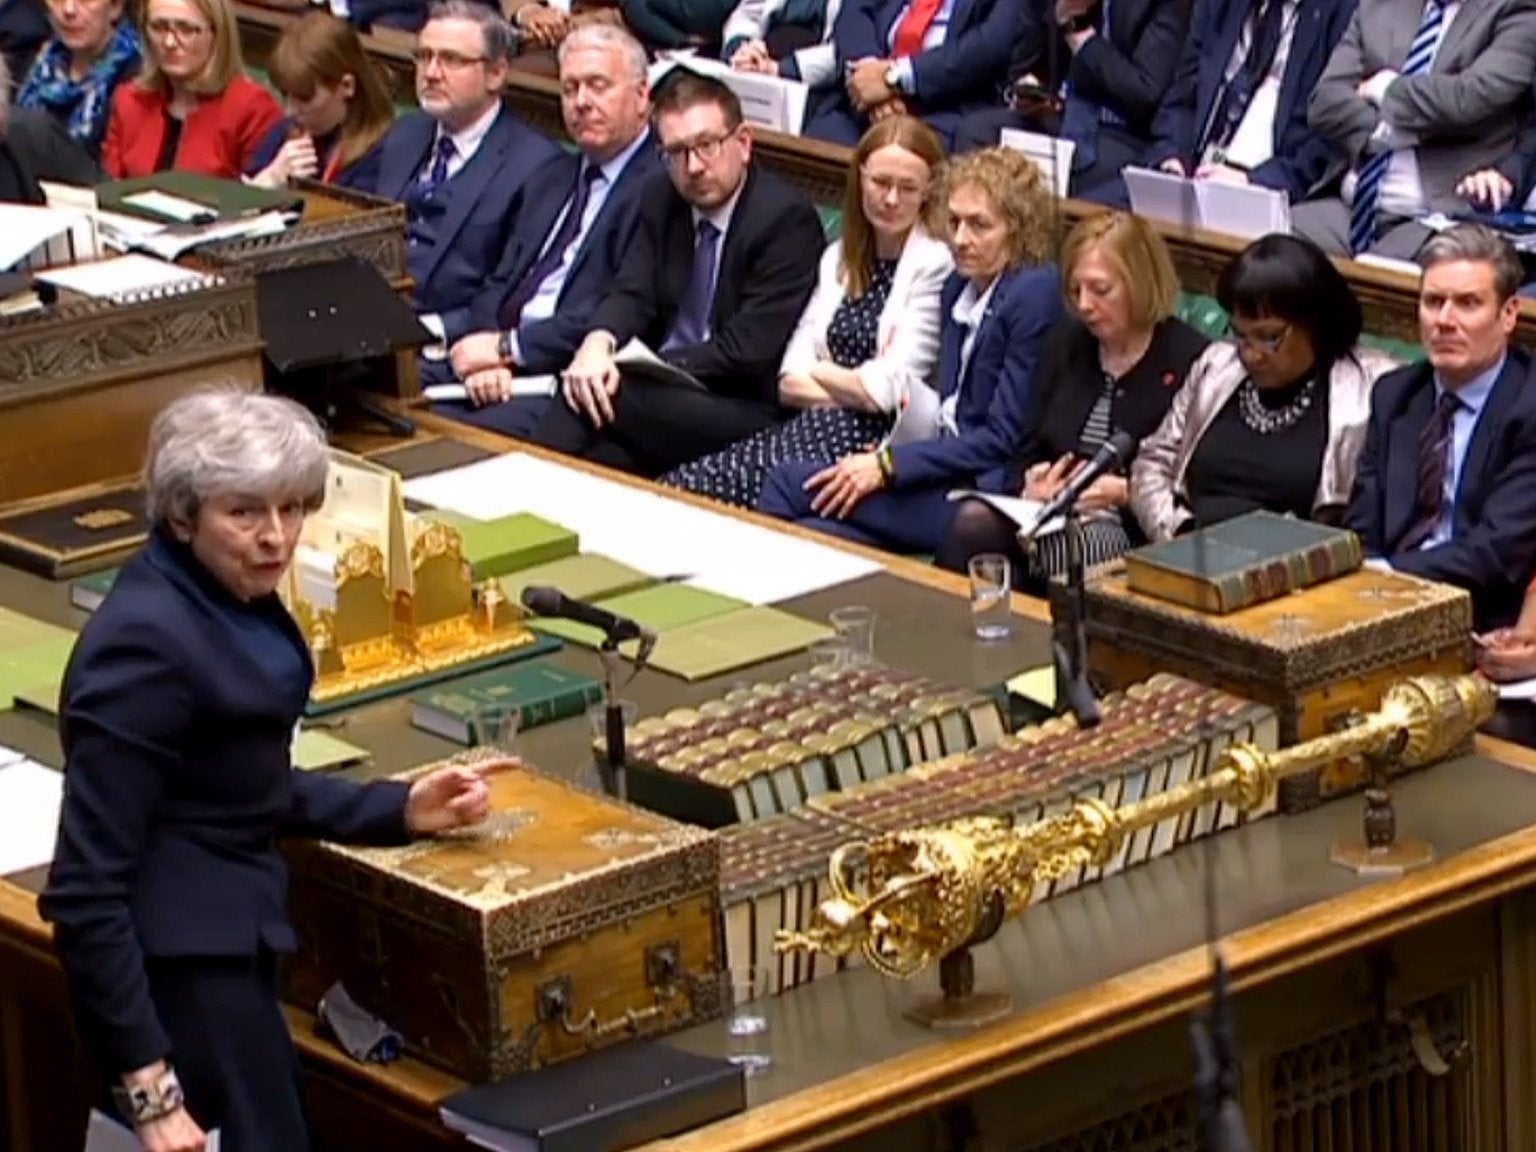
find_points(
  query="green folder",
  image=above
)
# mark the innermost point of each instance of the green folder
(315, 750)
(585, 577)
(508, 544)
(660, 608)
(224, 199)
(733, 640)
(33, 655)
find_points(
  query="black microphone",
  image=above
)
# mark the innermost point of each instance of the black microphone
(1116, 452)
(545, 601)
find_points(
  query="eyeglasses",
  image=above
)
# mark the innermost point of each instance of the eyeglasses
(706, 149)
(1256, 342)
(883, 186)
(182, 30)
(450, 60)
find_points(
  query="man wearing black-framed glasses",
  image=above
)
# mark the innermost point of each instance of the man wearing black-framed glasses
(722, 262)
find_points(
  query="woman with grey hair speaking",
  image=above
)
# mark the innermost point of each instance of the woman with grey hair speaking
(167, 892)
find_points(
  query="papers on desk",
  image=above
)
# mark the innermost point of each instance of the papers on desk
(30, 795)
(174, 242)
(37, 237)
(1051, 154)
(1021, 511)
(121, 277)
(522, 386)
(774, 102)
(646, 530)
(1242, 210)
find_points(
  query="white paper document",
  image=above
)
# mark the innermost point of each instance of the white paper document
(918, 418)
(30, 795)
(1518, 690)
(32, 236)
(1051, 154)
(1021, 511)
(639, 359)
(121, 276)
(522, 386)
(774, 102)
(170, 207)
(1243, 210)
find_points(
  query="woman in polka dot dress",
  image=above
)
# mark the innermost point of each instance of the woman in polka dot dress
(871, 330)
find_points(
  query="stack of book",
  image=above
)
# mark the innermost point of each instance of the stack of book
(767, 749)
(1153, 738)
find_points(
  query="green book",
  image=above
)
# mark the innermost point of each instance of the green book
(542, 691)
(509, 544)
(220, 199)
(732, 640)
(661, 608)
(587, 576)
(315, 751)
(88, 592)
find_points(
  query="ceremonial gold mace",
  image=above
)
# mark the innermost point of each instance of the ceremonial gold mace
(907, 899)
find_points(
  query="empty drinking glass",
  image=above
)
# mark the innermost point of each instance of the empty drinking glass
(495, 727)
(745, 990)
(855, 627)
(991, 588)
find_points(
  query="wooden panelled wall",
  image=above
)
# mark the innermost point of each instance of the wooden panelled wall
(1387, 296)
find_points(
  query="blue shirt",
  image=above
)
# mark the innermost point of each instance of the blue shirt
(1473, 396)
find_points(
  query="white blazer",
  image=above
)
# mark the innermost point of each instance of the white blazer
(818, 63)
(907, 342)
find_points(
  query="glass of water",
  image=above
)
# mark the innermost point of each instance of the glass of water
(494, 727)
(991, 591)
(746, 990)
(855, 628)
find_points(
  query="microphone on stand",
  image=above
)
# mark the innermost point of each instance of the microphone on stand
(551, 602)
(1116, 452)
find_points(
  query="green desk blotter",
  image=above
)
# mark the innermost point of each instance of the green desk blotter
(733, 640)
(587, 576)
(660, 608)
(33, 655)
(508, 544)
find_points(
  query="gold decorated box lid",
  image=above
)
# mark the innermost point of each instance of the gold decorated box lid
(1370, 617)
(544, 836)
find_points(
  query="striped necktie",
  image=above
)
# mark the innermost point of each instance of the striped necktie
(1364, 213)
(1434, 467)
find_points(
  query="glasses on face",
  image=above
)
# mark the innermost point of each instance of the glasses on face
(1259, 342)
(706, 149)
(182, 30)
(883, 186)
(450, 60)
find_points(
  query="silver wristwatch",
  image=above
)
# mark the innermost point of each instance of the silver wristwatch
(145, 1103)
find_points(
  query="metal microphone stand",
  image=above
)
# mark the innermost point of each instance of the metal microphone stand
(615, 764)
(1070, 644)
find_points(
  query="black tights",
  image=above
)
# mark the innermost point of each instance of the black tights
(979, 528)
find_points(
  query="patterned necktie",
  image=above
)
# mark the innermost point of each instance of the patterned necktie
(554, 252)
(913, 29)
(1434, 464)
(1364, 213)
(691, 325)
(1238, 93)
(434, 176)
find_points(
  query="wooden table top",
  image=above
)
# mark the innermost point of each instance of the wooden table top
(1111, 958)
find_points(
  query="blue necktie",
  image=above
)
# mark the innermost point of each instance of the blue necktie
(434, 176)
(554, 251)
(691, 325)
(1364, 213)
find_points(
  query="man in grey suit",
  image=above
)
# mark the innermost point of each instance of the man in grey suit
(1416, 97)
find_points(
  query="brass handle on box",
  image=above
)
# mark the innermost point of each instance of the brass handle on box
(662, 969)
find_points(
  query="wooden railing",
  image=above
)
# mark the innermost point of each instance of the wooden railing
(1389, 298)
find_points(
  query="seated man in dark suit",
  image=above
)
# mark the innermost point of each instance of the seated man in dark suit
(937, 59)
(1446, 484)
(576, 219)
(460, 163)
(720, 266)
(33, 147)
(1112, 64)
(1237, 110)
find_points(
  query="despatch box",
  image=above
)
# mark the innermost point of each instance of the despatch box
(567, 922)
(1315, 655)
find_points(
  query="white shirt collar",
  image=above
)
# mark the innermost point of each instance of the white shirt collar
(467, 141)
(721, 217)
(969, 308)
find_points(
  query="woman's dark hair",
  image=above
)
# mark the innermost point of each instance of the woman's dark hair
(1292, 280)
